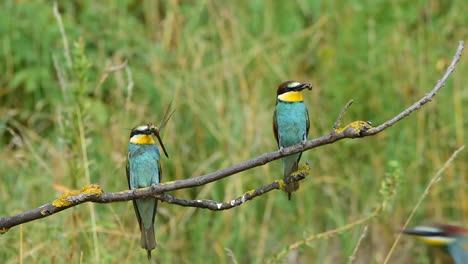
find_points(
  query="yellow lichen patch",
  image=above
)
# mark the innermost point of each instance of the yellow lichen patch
(43, 212)
(62, 200)
(281, 184)
(356, 125)
(305, 169)
(3, 230)
(93, 189)
(251, 192)
(169, 182)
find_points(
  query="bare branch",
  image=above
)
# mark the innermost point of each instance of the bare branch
(426, 99)
(216, 206)
(95, 194)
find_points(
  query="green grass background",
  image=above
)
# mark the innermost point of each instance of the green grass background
(220, 63)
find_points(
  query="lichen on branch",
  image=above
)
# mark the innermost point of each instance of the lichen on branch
(94, 193)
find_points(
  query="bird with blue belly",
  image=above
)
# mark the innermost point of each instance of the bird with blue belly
(452, 239)
(291, 125)
(143, 170)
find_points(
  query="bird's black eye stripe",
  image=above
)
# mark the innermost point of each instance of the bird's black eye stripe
(283, 90)
(140, 132)
(436, 234)
(134, 132)
(286, 89)
(427, 233)
(292, 86)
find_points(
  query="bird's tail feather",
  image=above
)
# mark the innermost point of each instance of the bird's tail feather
(293, 186)
(148, 240)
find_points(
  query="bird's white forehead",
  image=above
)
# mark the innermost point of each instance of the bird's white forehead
(141, 128)
(427, 229)
(293, 84)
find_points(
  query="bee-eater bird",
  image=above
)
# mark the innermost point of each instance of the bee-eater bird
(291, 125)
(143, 170)
(452, 239)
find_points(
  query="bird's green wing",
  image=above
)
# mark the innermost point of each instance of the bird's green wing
(275, 127)
(156, 200)
(127, 168)
(308, 123)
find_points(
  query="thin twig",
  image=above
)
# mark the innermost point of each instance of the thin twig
(358, 244)
(219, 206)
(326, 234)
(434, 179)
(340, 116)
(116, 67)
(231, 255)
(353, 130)
(108, 71)
(426, 99)
(386, 184)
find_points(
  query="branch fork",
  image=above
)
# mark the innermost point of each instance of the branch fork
(94, 193)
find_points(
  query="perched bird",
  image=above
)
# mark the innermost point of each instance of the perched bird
(143, 170)
(291, 125)
(452, 239)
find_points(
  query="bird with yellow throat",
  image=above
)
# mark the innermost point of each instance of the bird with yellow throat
(291, 125)
(143, 170)
(451, 239)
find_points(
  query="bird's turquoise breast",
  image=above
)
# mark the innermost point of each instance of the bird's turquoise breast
(459, 250)
(143, 165)
(291, 120)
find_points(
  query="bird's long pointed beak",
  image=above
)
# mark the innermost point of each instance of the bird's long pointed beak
(304, 85)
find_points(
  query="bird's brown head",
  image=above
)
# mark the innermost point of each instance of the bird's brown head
(141, 135)
(291, 91)
(438, 234)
